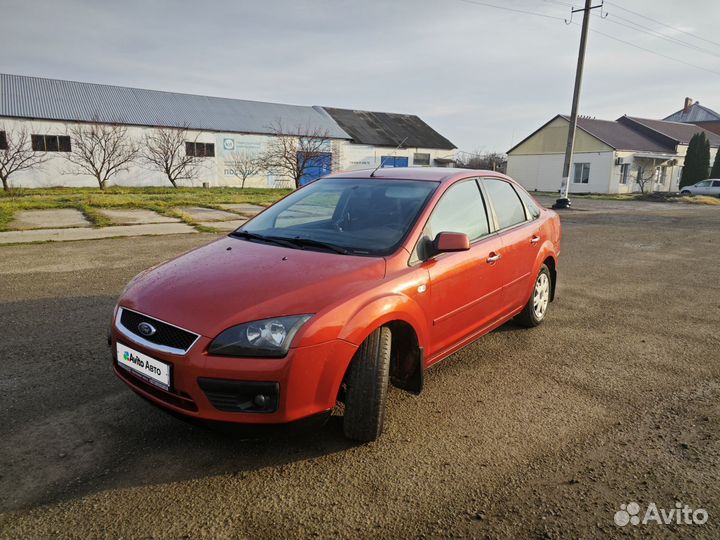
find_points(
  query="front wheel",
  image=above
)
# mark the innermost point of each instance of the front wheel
(536, 308)
(366, 387)
(685, 192)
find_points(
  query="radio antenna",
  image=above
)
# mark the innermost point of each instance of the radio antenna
(382, 160)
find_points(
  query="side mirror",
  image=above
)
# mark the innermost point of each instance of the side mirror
(446, 242)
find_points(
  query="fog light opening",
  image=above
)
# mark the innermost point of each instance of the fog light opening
(261, 400)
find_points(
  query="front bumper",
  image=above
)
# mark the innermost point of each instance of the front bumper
(307, 381)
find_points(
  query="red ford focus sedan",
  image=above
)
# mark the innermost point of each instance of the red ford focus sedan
(356, 281)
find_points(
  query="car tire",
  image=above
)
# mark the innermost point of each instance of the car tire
(366, 387)
(685, 192)
(536, 308)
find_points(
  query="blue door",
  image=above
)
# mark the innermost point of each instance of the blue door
(394, 161)
(316, 167)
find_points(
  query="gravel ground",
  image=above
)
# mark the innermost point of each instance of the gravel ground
(526, 433)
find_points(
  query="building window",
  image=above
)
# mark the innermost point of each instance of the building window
(3, 141)
(582, 173)
(624, 173)
(663, 175)
(50, 143)
(421, 159)
(199, 149)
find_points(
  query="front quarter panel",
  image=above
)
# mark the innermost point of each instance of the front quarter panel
(383, 310)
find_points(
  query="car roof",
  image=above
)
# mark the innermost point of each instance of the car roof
(431, 174)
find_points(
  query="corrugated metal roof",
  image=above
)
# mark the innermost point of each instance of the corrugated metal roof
(696, 113)
(52, 99)
(388, 129)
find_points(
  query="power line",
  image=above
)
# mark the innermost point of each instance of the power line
(649, 31)
(655, 52)
(646, 29)
(663, 24)
(546, 16)
(514, 10)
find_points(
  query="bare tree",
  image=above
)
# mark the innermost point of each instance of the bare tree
(101, 151)
(646, 174)
(291, 152)
(164, 150)
(492, 161)
(244, 164)
(16, 154)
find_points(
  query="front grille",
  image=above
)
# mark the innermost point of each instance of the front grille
(240, 396)
(166, 334)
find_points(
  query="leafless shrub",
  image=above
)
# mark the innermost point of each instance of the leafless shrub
(164, 149)
(100, 150)
(244, 163)
(291, 151)
(16, 154)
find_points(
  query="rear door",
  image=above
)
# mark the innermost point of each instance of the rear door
(465, 288)
(702, 188)
(521, 239)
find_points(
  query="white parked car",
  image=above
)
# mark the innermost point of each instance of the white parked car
(705, 187)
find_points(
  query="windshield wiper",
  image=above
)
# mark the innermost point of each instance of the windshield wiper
(309, 242)
(262, 238)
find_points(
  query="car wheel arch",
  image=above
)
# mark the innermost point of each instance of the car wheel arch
(547, 257)
(408, 344)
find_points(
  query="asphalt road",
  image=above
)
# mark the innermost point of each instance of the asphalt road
(541, 433)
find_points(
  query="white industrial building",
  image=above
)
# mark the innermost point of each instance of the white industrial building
(49, 108)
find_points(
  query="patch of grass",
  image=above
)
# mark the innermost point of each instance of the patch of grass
(158, 199)
(609, 196)
(93, 216)
(596, 196)
(6, 216)
(700, 199)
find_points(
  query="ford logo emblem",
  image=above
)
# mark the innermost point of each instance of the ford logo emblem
(146, 329)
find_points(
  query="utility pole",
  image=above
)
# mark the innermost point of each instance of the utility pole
(564, 201)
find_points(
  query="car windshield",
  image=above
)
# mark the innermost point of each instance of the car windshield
(364, 216)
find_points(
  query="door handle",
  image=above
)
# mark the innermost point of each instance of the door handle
(494, 257)
(535, 239)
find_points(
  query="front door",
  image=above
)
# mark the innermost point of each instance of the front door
(465, 288)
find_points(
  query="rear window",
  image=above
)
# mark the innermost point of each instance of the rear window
(509, 209)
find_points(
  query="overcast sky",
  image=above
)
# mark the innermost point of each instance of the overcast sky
(483, 77)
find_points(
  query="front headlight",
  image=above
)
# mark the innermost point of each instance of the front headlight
(269, 338)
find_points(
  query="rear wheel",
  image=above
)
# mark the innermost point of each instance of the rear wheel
(366, 387)
(536, 308)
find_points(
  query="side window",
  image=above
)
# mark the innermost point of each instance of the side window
(581, 173)
(50, 143)
(460, 209)
(508, 208)
(530, 204)
(422, 160)
(716, 183)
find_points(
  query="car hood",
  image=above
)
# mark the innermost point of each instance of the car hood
(231, 281)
